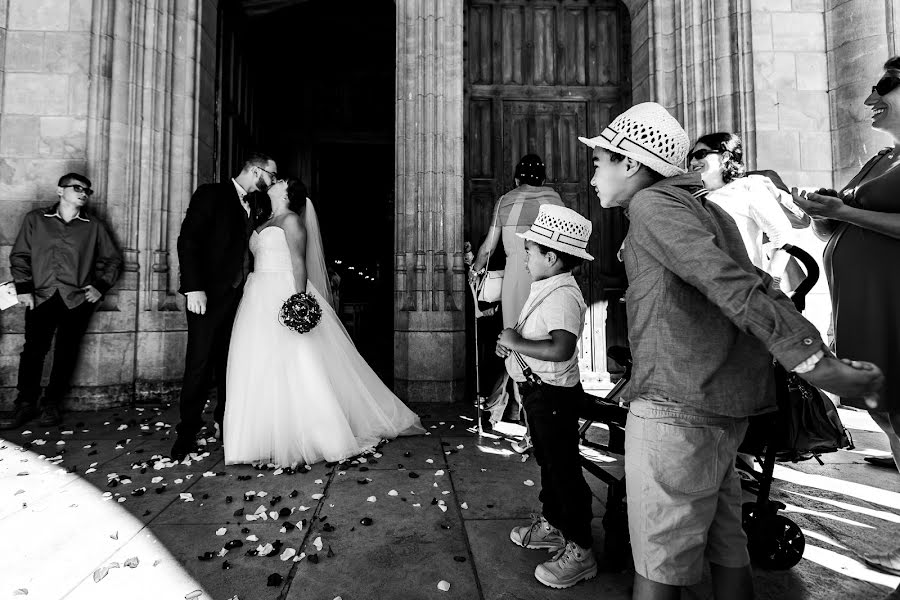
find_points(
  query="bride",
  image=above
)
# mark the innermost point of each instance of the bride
(299, 398)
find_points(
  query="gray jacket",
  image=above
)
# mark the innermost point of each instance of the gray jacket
(703, 322)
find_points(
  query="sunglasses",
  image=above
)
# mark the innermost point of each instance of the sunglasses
(273, 175)
(701, 154)
(885, 85)
(80, 189)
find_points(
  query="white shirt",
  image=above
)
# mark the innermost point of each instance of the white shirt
(562, 309)
(242, 194)
(752, 202)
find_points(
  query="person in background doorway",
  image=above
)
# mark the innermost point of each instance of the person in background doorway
(514, 213)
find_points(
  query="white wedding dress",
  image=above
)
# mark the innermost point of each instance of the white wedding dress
(299, 398)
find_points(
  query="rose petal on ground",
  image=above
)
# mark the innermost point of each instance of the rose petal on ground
(221, 531)
(444, 585)
(528, 482)
(370, 499)
(392, 493)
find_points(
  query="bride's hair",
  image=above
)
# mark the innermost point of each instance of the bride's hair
(296, 193)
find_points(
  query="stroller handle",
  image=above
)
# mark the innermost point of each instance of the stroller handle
(812, 274)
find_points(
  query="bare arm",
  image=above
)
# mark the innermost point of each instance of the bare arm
(487, 248)
(295, 233)
(560, 346)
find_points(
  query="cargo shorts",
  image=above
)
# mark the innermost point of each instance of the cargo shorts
(683, 493)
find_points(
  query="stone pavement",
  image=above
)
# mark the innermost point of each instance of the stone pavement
(88, 510)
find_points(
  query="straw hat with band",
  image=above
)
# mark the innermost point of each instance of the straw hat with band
(562, 229)
(650, 135)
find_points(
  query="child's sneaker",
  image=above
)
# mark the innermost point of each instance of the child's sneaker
(540, 535)
(570, 565)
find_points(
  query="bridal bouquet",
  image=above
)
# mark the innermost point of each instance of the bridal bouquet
(301, 312)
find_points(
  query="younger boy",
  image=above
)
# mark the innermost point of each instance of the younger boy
(544, 340)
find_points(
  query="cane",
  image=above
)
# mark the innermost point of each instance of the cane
(479, 401)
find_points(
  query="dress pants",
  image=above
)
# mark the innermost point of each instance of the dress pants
(552, 415)
(41, 323)
(209, 336)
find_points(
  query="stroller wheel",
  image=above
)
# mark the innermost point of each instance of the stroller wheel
(773, 541)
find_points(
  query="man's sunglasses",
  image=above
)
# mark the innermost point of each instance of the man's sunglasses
(80, 189)
(885, 85)
(701, 154)
(273, 175)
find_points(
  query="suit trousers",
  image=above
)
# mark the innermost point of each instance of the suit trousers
(209, 336)
(41, 323)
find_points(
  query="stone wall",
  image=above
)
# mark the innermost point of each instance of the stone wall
(109, 89)
(43, 128)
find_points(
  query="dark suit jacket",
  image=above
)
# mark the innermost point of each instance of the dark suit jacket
(212, 244)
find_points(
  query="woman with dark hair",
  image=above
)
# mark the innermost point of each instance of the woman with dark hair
(296, 399)
(862, 227)
(751, 200)
(514, 213)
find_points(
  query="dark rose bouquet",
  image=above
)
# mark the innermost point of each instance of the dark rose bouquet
(301, 312)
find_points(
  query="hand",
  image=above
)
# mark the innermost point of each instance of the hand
(196, 302)
(468, 257)
(91, 294)
(473, 277)
(818, 206)
(509, 337)
(26, 300)
(501, 351)
(847, 378)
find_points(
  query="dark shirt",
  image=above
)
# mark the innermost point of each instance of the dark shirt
(52, 256)
(703, 322)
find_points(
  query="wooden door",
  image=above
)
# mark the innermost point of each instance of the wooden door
(538, 75)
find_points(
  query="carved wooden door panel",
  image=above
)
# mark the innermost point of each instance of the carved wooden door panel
(538, 75)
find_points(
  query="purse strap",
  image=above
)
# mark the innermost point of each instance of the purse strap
(526, 370)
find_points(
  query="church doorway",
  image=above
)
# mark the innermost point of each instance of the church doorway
(312, 82)
(540, 73)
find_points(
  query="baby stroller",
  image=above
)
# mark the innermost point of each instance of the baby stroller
(804, 426)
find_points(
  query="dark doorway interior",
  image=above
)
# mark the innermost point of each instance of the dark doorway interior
(322, 104)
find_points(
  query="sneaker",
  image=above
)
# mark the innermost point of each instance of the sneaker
(522, 446)
(22, 415)
(570, 565)
(540, 535)
(49, 417)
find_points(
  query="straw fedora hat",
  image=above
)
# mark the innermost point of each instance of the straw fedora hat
(647, 133)
(562, 229)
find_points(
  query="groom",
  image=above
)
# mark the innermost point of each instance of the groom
(215, 260)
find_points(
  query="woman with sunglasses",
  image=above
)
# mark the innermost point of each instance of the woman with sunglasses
(861, 224)
(751, 200)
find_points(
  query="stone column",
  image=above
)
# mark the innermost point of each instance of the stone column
(429, 275)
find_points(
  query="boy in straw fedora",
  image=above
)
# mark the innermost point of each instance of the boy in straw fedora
(702, 324)
(541, 358)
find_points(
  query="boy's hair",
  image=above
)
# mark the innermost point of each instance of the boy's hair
(568, 261)
(616, 157)
(68, 178)
(732, 151)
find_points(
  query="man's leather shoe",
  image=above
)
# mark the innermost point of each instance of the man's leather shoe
(182, 447)
(49, 417)
(22, 415)
(889, 562)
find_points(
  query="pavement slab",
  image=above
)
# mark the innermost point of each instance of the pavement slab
(62, 530)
